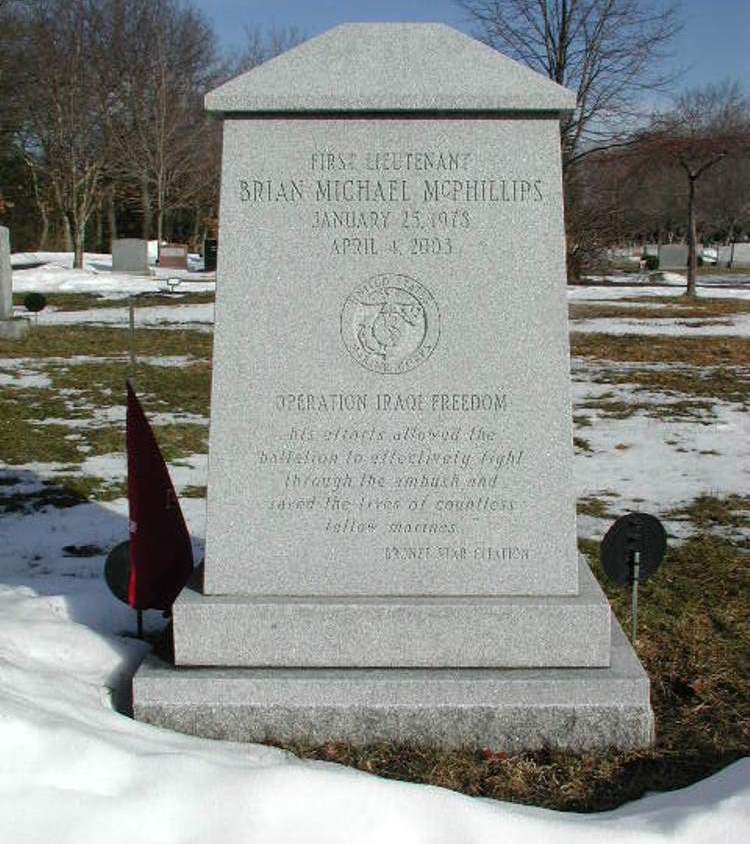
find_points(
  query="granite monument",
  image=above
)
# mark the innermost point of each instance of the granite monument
(391, 544)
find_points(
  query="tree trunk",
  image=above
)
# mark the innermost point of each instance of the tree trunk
(195, 243)
(42, 244)
(159, 230)
(99, 236)
(68, 233)
(146, 209)
(692, 268)
(111, 217)
(80, 234)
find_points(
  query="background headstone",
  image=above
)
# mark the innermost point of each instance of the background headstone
(173, 256)
(6, 282)
(130, 255)
(673, 256)
(10, 328)
(210, 254)
(724, 257)
(741, 254)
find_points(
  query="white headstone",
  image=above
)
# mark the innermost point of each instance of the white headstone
(130, 255)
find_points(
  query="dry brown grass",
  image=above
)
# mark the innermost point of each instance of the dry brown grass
(697, 351)
(66, 341)
(671, 308)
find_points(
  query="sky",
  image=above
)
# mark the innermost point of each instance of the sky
(714, 44)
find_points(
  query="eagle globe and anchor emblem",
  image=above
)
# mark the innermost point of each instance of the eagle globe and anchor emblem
(390, 323)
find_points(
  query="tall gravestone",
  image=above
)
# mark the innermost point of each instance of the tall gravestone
(10, 328)
(391, 544)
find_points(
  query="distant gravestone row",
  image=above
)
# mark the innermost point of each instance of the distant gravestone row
(130, 255)
(674, 256)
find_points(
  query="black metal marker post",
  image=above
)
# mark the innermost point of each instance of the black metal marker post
(632, 551)
(636, 579)
(140, 623)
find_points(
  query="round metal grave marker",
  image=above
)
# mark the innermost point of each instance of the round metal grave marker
(35, 302)
(635, 532)
(117, 571)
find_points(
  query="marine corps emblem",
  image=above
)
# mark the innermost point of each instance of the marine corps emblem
(390, 324)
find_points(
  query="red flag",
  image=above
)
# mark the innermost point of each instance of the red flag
(161, 556)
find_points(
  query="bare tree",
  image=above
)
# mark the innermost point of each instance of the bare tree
(607, 51)
(61, 132)
(161, 62)
(262, 45)
(707, 126)
(724, 201)
(11, 67)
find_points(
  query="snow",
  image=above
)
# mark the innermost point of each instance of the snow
(56, 275)
(74, 770)
(708, 287)
(23, 380)
(193, 317)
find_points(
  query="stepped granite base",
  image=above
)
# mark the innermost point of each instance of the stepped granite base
(512, 709)
(395, 632)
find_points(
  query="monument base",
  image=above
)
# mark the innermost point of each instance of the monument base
(509, 709)
(522, 631)
(13, 329)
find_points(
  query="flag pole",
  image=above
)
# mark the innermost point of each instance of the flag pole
(131, 334)
(140, 623)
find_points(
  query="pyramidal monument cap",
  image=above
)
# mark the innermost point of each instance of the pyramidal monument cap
(391, 67)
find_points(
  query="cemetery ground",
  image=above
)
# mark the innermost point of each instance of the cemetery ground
(661, 389)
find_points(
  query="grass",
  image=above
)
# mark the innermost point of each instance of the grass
(591, 506)
(728, 384)
(80, 390)
(710, 511)
(670, 308)
(86, 301)
(183, 389)
(65, 341)
(675, 411)
(62, 492)
(696, 351)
